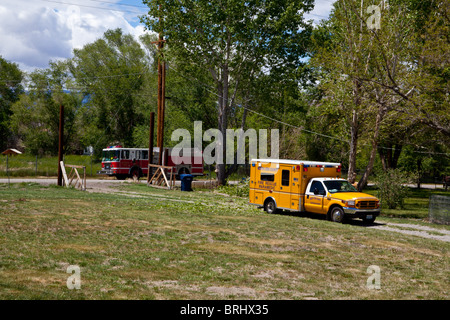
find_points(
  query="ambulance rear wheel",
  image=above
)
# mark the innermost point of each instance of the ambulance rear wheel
(270, 206)
(337, 215)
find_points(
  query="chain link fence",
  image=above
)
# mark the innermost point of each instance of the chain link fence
(439, 209)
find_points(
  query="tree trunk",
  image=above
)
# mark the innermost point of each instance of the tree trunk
(396, 156)
(223, 122)
(353, 146)
(364, 179)
(234, 167)
(244, 117)
(383, 158)
(389, 156)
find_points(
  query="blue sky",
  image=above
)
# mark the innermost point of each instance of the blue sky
(33, 32)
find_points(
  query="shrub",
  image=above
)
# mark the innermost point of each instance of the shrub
(391, 187)
(241, 189)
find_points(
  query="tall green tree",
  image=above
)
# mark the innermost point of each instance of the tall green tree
(430, 75)
(372, 65)
(231, 39)
(10, 89)
(339, 55)
(35, 116)
(111, 72)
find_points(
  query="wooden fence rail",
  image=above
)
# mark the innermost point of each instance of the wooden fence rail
(159, 178)
(68, 179)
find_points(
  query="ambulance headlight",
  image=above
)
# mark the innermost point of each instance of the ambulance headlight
(351, 203)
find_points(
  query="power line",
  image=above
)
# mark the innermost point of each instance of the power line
(263, 115)
(83, 78)
(93, 7)
(207, 87)
(296, 127)
(120, 4)
(316, 15)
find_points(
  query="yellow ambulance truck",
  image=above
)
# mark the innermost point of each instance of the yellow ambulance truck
(308, 186)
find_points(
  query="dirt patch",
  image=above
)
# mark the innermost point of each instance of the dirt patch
(79, 247)
(417, 230)
(172, 285)
(244, 251)
(232, 291)
(418, 227)
(280, 274)
(271, 242)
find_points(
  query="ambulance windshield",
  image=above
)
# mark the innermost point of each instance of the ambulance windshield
(339, 186)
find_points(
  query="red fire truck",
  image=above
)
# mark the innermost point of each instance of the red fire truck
(133, 162)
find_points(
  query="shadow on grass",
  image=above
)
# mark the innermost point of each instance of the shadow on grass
(316, 216)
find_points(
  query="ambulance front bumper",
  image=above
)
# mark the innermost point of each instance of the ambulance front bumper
(360, 213)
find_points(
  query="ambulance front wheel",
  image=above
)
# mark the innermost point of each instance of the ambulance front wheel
(337, 215)
(270, 206)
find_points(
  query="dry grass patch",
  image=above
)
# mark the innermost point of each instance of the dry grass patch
(232, 249)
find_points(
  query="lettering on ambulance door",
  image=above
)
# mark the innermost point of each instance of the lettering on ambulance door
(314, 197)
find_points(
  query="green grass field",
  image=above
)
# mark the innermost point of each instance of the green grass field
(24, 165)
(159, 244)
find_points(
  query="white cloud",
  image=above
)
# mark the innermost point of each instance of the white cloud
(33, 32)
(321, 11)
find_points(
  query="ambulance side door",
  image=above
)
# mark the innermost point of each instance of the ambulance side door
(256, 194)
(284, 187)
(295, 189)
(314, 197)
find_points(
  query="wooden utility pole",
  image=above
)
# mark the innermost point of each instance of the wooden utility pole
(61, 141)
(161, 93)
(150, 143)
(161, 99)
